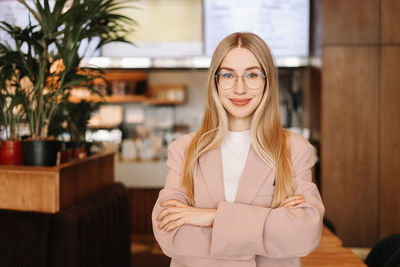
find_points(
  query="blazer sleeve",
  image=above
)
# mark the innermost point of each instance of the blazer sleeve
(274, 233)
(187, 242)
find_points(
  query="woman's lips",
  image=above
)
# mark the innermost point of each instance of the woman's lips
(239, 101)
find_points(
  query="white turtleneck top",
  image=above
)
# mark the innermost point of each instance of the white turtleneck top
(234, 150)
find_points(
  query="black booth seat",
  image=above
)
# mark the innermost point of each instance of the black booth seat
(92, 232)
(24, 238)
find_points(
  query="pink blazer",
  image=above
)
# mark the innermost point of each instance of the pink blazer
(247, 232)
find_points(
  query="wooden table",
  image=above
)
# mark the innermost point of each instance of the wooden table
(331, 253)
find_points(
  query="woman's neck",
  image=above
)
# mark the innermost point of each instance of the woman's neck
(238, 124)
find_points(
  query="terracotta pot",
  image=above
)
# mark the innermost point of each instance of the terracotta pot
(80, 153)
(11, 152)
(78, 149)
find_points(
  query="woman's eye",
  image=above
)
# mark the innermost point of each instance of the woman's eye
(252, 75)
(227, 75)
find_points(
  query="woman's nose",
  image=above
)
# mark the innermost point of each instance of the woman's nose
(239, 87)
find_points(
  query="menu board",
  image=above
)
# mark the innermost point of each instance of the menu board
(284, 25)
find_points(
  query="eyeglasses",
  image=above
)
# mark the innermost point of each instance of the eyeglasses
(252, 79)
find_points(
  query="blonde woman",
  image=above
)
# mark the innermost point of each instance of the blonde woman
(239, 190)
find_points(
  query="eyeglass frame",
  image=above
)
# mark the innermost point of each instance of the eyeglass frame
(265, 77)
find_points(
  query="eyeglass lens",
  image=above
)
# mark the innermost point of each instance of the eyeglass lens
(252, 79)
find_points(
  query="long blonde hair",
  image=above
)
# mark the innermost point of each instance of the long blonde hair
(268, 138)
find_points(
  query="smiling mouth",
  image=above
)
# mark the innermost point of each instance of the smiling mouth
(240, 102)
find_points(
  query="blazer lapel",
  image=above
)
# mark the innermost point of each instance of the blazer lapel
(210, 165)
(255, 174)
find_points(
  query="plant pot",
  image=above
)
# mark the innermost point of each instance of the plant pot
(40, 152)
(88, 147)
(77, 148)
(11, 152)
(80, 153)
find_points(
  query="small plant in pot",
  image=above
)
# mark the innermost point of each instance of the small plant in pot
(10, 116)
(79, 115)
(73, 118)
(45, 56)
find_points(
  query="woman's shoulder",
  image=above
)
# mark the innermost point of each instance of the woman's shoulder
(298, 143)
(180, 144)
(302, 153)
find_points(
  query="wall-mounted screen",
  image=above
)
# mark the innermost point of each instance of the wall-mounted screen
(284, 25)
(192, 28)
(165, 28)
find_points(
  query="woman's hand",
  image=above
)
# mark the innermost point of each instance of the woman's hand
(178, 214)
(293, 201)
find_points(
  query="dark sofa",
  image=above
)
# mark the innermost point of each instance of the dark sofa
(93, 232)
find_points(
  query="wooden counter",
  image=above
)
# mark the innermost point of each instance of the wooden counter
(49, 189)
(331, 253)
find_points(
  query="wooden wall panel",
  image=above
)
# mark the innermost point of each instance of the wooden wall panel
(390, 142)
(349, 141)
(390, 24)
(347, 21)
(141, 205)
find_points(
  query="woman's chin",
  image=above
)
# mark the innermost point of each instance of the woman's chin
(239, 114)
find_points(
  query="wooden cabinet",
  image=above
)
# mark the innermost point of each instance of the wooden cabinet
(389, 144)
(350, 22)
(390, 24)
(360, 110)
(349, 143)
(49, 189)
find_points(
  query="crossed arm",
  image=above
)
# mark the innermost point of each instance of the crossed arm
(178, 213)
(236, 231)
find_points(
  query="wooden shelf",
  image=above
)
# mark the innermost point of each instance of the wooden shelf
(155, 101)
(127, 99)
(153, 94)
(111, 99)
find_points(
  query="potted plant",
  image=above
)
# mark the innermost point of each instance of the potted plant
(10, 116)
(73, 118)
(46, 58)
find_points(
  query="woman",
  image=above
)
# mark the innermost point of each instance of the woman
(239, 191)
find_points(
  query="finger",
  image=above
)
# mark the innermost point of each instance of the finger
(291, 206)
(294, 202)
(173, 202)
(175, 224)
(293, 198)
(169, 218)
(167, 211)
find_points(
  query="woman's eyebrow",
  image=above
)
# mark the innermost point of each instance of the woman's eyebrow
(226, 68)
(248, 68)
(252, 67)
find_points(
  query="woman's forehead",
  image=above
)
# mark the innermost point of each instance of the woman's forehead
(240, 59)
